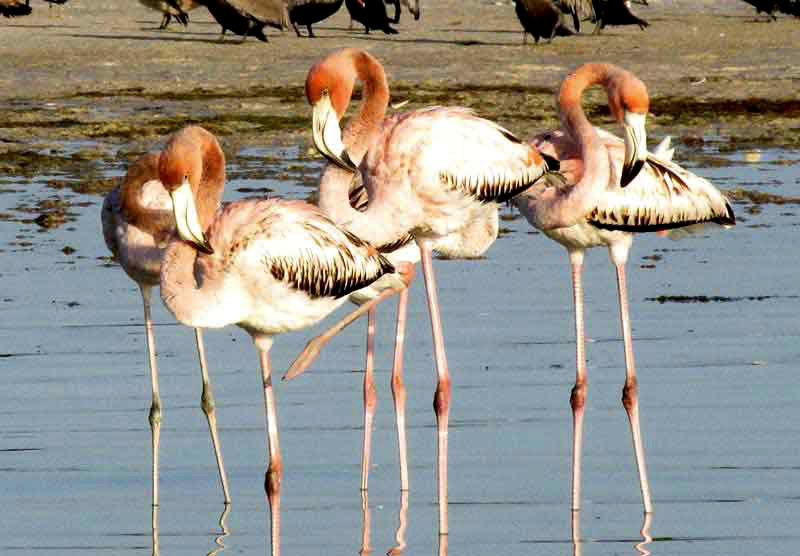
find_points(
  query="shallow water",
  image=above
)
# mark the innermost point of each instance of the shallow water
(717, 384)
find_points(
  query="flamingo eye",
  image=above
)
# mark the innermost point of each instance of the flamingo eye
(547, 137)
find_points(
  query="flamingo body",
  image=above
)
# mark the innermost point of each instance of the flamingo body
(137, 223)
(436, 174)
(609, 190)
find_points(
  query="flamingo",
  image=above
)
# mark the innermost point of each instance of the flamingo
(435, 173)
(267, 265)
(137, 223)
(601, 204)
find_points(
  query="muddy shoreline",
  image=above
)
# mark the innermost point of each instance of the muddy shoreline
(106, 75)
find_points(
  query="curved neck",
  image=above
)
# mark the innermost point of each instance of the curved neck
(358, 136)
(572, 206)
(211, 185)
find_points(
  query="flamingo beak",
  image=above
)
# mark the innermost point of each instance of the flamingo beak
(635, 147)
(186, 219)
(327, 135)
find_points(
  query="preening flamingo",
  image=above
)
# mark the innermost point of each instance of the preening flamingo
(267, 265)
(435, 173)
(137, 223)
(608, 196)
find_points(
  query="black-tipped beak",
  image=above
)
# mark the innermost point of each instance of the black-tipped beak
(630, 171)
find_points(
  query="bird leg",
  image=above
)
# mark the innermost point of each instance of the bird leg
(630, 392)
(315, 345)
(155, 407)
(164, 21)
(272, 480)
(399, 388)
(370, 397)
(441, 400)
(581, 388)
(207, 403)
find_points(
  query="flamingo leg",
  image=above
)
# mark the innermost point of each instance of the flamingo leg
(315, 345)
(207, 403)
(154, 522)
(581, 388)
(630, 392)
(441, 400)
(272, 480)
(370, 396)
(155, 406)
(399, 388)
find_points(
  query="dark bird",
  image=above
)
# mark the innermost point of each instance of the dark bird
(616, 12)
(177, 9)
(769, 7)
(371, 14)
(412, 5)
(248, 17)
(545, 18)
(13, 8)
(308, 12)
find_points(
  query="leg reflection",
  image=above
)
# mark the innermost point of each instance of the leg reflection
(400, 536)
(646, 538)
(576, 533)
(156, 550)
(219, 540)
(367, 524)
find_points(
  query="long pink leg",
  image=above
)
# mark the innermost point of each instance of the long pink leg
(441, 400)
(581, 388)
(630, 392)
(155, 407)
(207, 403)
(399, 388)
(272, 480)
(370, 397)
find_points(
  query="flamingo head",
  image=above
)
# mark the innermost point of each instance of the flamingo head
(629, 103)
(635, 146)
(179, 166)
(329, 87)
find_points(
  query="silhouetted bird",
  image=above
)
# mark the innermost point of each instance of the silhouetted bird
(248, 17)
(13, 8)
(308, 12)
(371, 14)
(769, 7)
(616, 12)
(544, 18)
(177, 9)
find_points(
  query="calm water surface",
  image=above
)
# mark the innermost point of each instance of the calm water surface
(718, 384)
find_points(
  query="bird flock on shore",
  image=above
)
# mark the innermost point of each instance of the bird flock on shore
(396, 189)
(542, 19)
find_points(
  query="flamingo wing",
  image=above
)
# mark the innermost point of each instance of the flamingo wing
(665, 196)
(295, 243)
(480, 158)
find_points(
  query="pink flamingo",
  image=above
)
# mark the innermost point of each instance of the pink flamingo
(137, 222)
(436, 173)
(267, 265)
(601, 204)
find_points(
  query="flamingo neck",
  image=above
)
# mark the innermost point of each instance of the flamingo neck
(361, 132)
(191, 287)
(211, 185)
